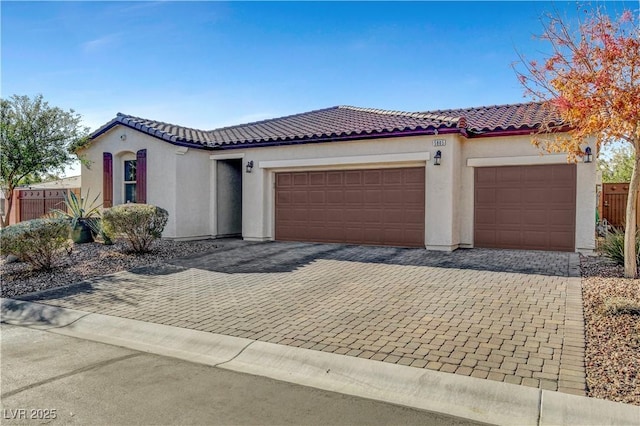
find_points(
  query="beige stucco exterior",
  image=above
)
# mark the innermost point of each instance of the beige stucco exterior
(187, 181)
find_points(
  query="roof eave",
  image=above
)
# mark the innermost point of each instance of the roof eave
(162, 136)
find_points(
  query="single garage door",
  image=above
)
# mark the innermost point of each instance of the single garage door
(378, 207)
(526, 207)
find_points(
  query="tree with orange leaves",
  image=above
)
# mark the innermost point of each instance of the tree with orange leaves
(592, 81)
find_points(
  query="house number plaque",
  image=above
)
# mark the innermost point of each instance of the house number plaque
(439, 142)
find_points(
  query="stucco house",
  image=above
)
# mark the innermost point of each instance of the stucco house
(441, 180)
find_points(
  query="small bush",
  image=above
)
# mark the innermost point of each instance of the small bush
(37, 241)
(139, 224)
(613, 246)
(621, 305)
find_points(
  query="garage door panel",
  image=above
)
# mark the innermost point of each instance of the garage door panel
(558, 241)
(283, 197)
(353, 197)
(413, 217)
(299, 197)
(413, 176)
(371, 216)
(372, 196)
(561, 173)
(377, 206)
(316, 197)
(485, 176)
(392, 217)
(535, 217)
(334, 215)
(392, 176)
(392, 198)
(412, 197)
(300, 179)
(533, 207)
(316, 215)
(508, 217)
(508, 195)
(561, 195)
(334, 178)
(335, 197)
(485, 216)
(317, 179)
(562, 218)
(353, 178)
(283, 180)
(536, 239)
(536, 175)
(353, 234)
(507, 174)
(510, 237)
(372, 177)
(352, 215)
(535, 195)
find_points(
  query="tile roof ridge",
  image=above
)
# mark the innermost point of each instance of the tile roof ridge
(495, 106)
(266, 120)
(120, 116)
(426, 115)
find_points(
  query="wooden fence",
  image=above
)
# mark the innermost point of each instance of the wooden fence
(613, 204)
(35, 203)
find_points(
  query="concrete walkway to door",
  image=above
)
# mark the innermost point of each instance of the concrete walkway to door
(512, 316)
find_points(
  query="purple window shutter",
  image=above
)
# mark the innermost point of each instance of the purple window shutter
(141, 176)
(107, 179)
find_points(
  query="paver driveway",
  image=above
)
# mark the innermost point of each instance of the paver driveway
(513, 316)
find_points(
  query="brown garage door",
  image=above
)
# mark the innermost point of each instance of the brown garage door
(526, 207)
(379, 207)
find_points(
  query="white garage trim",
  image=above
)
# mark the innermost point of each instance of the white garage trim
(354, 160)
(517, 161)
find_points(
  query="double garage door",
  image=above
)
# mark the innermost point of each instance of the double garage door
(517, 207)
(378, 207)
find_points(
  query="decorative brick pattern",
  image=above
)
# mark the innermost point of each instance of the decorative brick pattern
(518, 320)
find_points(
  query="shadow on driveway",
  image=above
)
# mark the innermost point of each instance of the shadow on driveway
(274, 257)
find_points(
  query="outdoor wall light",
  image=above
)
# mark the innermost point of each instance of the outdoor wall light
(588, 156)
(249, 166)
(437, 158)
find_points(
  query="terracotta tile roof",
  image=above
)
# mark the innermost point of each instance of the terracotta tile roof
(503, 117)
(342, 123)
(336, 123)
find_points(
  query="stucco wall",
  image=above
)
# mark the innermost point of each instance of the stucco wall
(161, 157)
(186, 181)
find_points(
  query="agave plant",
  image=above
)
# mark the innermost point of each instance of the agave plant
(81, 215)
(78, 210)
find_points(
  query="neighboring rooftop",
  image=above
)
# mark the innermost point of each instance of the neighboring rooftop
(343, 123)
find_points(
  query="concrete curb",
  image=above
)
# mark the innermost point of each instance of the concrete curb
(466, 397)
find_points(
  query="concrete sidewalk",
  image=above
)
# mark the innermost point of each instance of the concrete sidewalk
(449, 394)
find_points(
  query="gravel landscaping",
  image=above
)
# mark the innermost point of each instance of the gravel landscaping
(612, 325)
(92, 260)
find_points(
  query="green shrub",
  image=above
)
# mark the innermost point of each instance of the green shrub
(139, 224)
(37, 241)
(613, 246)
(621, 305)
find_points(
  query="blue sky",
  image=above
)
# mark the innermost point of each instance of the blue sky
(211, 64)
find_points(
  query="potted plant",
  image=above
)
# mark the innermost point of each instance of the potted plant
(81, 214)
